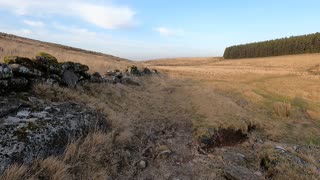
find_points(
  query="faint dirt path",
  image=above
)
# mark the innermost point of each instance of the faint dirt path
(166, 131)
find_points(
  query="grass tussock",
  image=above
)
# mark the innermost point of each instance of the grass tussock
(282, 109)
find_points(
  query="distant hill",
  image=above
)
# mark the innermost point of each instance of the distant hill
(285, 46)
(187, 61)
(20, 46)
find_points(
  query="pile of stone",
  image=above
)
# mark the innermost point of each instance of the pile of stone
(19, 73)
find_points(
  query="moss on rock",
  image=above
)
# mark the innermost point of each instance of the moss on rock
(46, 57)
(18, 60)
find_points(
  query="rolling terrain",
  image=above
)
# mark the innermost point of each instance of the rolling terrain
(198, 118)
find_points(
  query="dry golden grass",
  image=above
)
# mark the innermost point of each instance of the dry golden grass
(260, 81)
(282, 109)
(17, 46)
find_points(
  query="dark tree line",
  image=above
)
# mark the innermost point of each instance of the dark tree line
(285, 46)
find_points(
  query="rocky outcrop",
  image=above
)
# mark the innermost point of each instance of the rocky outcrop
(20, 73)
(31, 128)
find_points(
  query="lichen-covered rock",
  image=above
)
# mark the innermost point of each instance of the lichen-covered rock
(75, 67)
(239, 173)
(18, 60)
(70, 78)
(5, 71)
(25, 71)
(48, 63)
(41, 129)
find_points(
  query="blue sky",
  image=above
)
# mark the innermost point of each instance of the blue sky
(149, 29)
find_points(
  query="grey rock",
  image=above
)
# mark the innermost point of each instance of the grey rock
(48, 64)
(70, 78)
(5, 72)
(96, 78)
(280, 148)
(75, 67)
(39, 131)
(20, 70)
(239, 173)
(133, 70)
(236, 158)
(146, 71)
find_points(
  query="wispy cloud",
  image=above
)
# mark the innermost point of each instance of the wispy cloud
(33, 23)
(107, 16)
(164, 31)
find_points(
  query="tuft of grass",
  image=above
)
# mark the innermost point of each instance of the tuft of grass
(282, 109)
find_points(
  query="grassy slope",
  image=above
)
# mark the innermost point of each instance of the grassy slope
(19, 46)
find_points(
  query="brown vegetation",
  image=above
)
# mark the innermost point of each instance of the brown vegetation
(17, 46)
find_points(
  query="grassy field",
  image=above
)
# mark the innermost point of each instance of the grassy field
(265, 86)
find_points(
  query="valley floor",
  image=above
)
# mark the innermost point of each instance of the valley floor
(220, 120)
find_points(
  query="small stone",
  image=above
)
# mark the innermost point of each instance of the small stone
(280, 148)
(258, 173)
(23, 113)
(142, 164)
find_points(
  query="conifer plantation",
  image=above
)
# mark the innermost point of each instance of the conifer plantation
(285, 46)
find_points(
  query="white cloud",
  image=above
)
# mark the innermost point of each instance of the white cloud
(108, 16)
(34, 23)
(164, 31)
